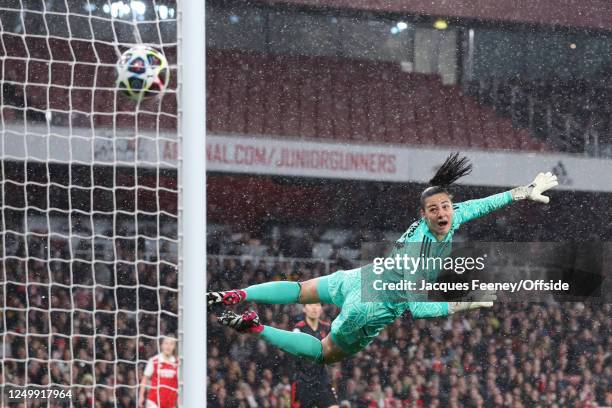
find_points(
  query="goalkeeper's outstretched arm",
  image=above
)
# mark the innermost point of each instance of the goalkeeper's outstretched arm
(469, 210)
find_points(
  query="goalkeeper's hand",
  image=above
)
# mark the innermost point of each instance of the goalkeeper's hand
(454, 307)
(485, 298)
(542, 183)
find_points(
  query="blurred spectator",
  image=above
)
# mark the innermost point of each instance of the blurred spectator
(531, 355)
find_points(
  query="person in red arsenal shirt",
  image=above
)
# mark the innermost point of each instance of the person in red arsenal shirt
(162, 371)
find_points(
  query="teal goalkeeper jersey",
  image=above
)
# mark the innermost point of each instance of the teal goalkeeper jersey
(418, 241)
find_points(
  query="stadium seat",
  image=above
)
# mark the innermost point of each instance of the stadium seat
(341, 102)
(376, 107)
(217, 98)
(273, 94)
(359, 96)
(409, 133)
(290, 96)
(60, 73)
(235, 76)
(308, 99)
(38, 72)
(325, 110)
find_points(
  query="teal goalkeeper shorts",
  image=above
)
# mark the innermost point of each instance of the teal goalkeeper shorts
(358, 322)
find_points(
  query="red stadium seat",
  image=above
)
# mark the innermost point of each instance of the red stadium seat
(107, 54)
(457, 120)
(291, 104)
(83, 51)
(390, 95)
(308, 98)
(14, 45)
(376, 107)
(423, 108)
(60, 73)
(440, 103)
(36, 96)
(508, 135)
(38, 72)
(60, 50)
(340, 90)
(256, 115)
(273, 94)
(235, 75)
(84, 75)
(37, 48)
(359, 95)
(473, 122)
(406, 103)
(59, 98)
(316, 97)
(217, 98)
(325, 108)
(261, 94)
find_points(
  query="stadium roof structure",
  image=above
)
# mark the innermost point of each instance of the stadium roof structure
(596, 14)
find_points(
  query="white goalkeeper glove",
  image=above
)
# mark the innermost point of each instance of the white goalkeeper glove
(454, 307)
(542, 183)
(486, 299)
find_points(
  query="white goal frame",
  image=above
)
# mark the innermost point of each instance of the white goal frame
(192, 202)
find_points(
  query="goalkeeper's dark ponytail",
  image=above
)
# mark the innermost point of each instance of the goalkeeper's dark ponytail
(453, 168)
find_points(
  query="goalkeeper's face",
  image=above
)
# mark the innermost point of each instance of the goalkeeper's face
(438, 213)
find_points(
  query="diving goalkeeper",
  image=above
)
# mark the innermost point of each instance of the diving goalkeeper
(359, 322)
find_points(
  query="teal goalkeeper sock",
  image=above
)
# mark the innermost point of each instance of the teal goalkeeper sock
(295, 343)
(274, 293)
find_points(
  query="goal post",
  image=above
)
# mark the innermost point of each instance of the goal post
(102, 202)
(192, 200)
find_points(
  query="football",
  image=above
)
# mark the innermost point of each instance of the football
(142, 72)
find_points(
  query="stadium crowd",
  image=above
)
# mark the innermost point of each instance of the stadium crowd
(514, 355)
(83, 314)
(93, 317)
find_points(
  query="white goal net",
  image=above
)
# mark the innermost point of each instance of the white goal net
(88, 203)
